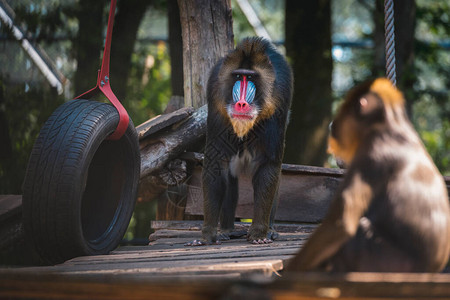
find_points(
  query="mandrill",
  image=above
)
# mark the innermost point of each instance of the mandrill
(391, 213)
(249, 95)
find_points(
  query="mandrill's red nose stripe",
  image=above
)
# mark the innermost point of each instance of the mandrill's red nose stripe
(243, 90)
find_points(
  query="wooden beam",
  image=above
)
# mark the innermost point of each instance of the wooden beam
(29, 284)
(304, 194)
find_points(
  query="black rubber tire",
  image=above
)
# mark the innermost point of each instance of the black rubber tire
(80, 188)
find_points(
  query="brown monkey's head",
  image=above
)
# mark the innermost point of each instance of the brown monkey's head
(247, 75)
(373, 103)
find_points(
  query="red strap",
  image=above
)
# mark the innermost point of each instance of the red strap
(103, 81)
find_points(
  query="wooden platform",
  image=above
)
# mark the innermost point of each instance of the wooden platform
(166, 269)
(167, 256)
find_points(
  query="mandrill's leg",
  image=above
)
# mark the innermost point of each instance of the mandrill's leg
(228, 212)
(265, 185)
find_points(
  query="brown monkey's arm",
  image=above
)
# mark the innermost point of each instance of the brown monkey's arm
(339, 225)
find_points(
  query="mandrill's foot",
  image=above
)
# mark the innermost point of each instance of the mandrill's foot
(261, 241)
(259, 235)
(202, 243)
(209, 237)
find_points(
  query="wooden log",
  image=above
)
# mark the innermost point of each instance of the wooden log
(207, 30)
(161, 122)
(153, 185)
(165, 145)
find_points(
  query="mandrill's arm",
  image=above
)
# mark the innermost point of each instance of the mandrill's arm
(339, 225)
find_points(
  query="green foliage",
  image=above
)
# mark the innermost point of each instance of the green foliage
(437, 143)
(431, 113)
(139, 227)
(429, 72)
(44, 20)
(270, 13)
(149, 83)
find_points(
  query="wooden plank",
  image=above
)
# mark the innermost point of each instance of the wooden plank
(172, 266)
(179, 243)
(161, 122)
(311, 170)
(22, 284)
(224, 266)
(231, 258)
(197, 226)
(304, 194)
(362, 286)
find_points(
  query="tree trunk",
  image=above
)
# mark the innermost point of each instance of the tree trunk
(126, 25)
(88, 44)
(308, 46)
(207, 35)
(175, 48)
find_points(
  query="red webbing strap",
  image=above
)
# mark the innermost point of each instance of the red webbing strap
(103, 81)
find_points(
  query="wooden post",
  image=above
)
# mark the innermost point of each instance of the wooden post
(207, 33)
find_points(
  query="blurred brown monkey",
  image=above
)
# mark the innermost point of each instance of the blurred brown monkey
(391, 213)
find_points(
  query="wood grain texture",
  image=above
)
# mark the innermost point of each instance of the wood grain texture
(158, 150)
(161, 122)
(304, 193)
(167, 269)
(207, 31)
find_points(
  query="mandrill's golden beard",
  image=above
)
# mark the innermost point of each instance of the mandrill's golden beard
(242, 123)
(242, 126)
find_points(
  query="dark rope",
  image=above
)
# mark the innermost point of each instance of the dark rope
(389, 36)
